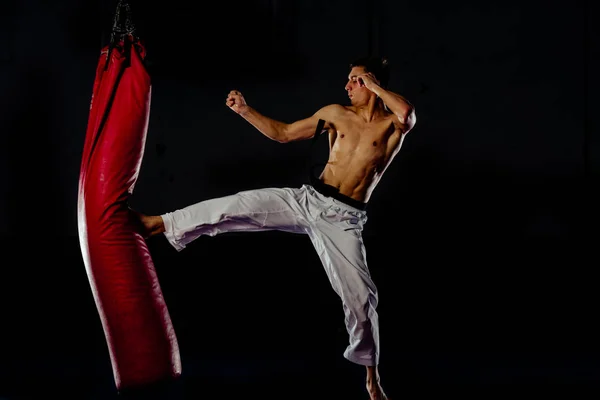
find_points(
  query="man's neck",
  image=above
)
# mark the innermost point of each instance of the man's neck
(372, 110)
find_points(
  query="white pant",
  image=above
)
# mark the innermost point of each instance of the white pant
(334, 228)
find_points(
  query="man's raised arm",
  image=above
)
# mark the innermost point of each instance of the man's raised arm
(402, 108)
(276, 130)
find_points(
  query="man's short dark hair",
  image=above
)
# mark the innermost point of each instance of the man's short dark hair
(378, 66)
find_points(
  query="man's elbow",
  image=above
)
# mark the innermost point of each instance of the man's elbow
(282, 135)
(287, 135)
(282, 138)
(408, 118)
(288, 139)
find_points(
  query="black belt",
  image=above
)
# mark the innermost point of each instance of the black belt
(332, 191)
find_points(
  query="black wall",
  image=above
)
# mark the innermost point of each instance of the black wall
(481, 236)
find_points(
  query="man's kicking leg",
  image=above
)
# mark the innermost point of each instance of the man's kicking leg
(252, 210)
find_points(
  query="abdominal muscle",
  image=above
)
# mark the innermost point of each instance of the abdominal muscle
(352, 174)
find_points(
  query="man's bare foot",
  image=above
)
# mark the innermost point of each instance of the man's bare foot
(151, 224)
(375, 391)
(373, 385)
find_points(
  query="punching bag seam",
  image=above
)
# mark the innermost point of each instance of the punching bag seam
(106, 113)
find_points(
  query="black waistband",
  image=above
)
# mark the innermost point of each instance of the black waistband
(331, 191)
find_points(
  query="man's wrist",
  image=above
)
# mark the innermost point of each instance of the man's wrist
(245, 111)
(378, 90)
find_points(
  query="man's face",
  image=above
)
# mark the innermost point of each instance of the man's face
(356, 90)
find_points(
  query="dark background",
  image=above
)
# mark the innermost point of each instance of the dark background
(481, 236)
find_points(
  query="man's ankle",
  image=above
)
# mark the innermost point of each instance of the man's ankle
(372, 374)
(159, 225)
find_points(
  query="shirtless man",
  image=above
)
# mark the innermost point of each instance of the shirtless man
(363, 139)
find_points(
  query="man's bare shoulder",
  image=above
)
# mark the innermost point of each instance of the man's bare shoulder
(331, 111)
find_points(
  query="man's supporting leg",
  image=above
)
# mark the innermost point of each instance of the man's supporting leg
(340, 247)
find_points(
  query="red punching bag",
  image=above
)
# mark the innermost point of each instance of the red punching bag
(141, 339)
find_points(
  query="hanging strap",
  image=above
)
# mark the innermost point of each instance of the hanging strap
(318, 131)
(122, 28)
(311, 176)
